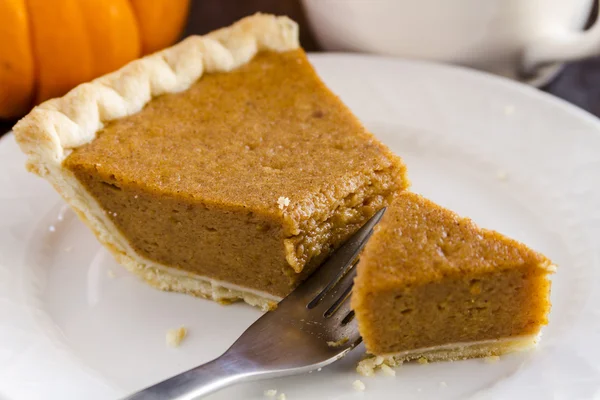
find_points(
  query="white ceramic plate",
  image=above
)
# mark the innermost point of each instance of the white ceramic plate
(510, 157)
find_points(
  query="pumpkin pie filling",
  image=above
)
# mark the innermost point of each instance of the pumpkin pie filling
(249, 177)
(433, 285)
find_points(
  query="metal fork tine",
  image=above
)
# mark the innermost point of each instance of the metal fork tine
(350, 330)
(349, 317)
(339, 293)
(336, 304)
(342, 308)
(332, 285)
(318, 284)
(347, 333)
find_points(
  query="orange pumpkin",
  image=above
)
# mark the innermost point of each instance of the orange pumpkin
(48, 47)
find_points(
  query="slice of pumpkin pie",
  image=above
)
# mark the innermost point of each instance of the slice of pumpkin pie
(433, 286)
(222, 167)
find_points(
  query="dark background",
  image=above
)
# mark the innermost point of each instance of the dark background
(578, 83)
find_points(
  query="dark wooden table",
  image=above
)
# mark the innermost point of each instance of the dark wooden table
(578, 83)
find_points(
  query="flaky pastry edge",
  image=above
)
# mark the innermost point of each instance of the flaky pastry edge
(450, 352)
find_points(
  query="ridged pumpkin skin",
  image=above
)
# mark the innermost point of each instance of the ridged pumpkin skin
(113, 32)
(48, 47)
(160, 25)
(16, 59)
(62, 54)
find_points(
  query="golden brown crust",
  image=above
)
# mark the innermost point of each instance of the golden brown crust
(449, 352)
(53, 129)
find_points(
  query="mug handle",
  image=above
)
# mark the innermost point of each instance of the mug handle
(563, 46)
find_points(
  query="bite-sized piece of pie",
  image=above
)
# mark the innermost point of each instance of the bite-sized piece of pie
(432, 285)
(221, 167)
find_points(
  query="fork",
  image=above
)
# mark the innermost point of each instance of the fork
(311, 328)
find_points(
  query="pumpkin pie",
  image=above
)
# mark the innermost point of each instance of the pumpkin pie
(433, 286)
(221, 167)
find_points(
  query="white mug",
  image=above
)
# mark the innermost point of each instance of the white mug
(512, 38)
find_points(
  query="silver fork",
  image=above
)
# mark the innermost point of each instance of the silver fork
(311, 328)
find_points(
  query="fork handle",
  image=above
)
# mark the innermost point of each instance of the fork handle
(196, 382)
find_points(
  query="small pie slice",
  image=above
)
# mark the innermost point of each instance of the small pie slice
(432, 285)
(222, 167)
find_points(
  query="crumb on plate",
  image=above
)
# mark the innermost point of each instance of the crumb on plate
(491, 359)
(358, 385)
(387, 370)
(175, 336)
(367, 366)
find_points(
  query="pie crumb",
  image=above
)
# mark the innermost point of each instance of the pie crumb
(68, 249)
(281, 396)
(283, 202)
(387, 370)
(338, 343)
(175, 336)
(358, 385)
(422, 360)
(111, 274)
(491, 359)
(501, 175)
(509, 109)
(270, 392)
(368, 366)
(443, 384)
